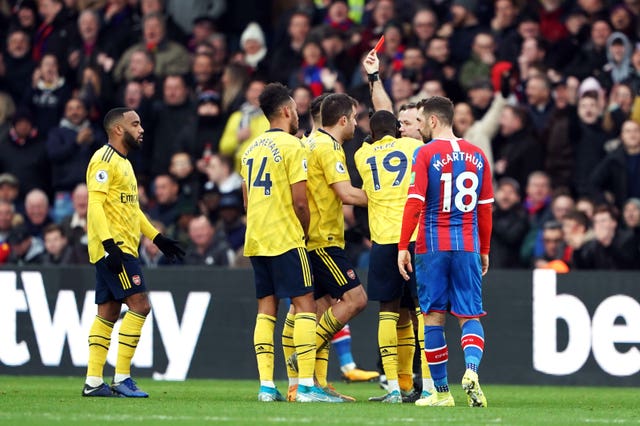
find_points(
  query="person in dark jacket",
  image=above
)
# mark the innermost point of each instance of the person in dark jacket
(510, 225)
(618, 174)
(612, 247)
(208, 246)
(69, 148)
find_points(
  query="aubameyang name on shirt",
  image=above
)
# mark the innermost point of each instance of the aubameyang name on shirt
(269, 143)
(458, 156)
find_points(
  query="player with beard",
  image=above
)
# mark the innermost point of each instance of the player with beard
(274, 172)
(114, 224)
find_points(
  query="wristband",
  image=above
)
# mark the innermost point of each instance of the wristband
(373, 77)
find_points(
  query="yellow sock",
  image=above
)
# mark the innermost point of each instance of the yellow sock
(406, 350)
(322, 366)
(304, 337)
(388, 343)
(99, 341)
(288, 346)
(326, 328)
(128, 339)
(426, 372)
(263, 345)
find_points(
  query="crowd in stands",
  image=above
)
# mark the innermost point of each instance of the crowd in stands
(549, 88)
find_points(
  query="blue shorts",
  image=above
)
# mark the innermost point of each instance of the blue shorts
(285, 275)
(450, 281)
(384, 282)
(333, 272)
(110, 286)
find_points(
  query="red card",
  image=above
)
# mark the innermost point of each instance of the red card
(379, 44)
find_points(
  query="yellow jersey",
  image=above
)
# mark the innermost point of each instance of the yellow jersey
(110, 173)
(385, 167)
(327, 165)
(270, 165)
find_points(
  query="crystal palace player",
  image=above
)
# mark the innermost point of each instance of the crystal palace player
(450, 195)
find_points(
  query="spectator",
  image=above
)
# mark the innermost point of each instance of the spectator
(15, 75)
(612, 246)
(592, 56)
(208, 246)
(303, 97)
(527, 26)
(254, 51)
(540, 106)
(244, 125)
(464, 26)
(287, 56)
(619, 108)
(478, 66)
(7, 110)
(203, 28)
(36, 206)
(510, 225)
(521, 153)
(338, 59)
(55, 33)
(423, 28)
(25, 248)
(23, 154)
(554, 247)
(586, 205)
(57, 248)
(173, 30)
(537, 203)
(618, 174)
(576, 230)
(170, 57)
(116, 29)
(631, 218)
(7, 217)
(235, 79)
(618, 67)
(169, 204)
(162, 141)
(232, 222)
(150, 254)
(9, 188)
(47, 96)
(504, 21)
(202, 74)
(70, 147)
(221, 174)
(313, 71)
(203, 133)
(25, 18)
(75, 225)
(182, 169)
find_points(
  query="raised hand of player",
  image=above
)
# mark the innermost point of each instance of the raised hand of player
(113, 256)
(169, 247)
(404, 263)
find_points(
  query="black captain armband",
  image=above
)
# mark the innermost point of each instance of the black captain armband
(373, 77)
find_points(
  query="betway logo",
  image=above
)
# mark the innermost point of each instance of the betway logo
(51, 329)
(598, 334)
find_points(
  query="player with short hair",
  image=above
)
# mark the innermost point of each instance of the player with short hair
(409, 128)
(338, 291)
(274, 171)
(384, 166)
(114, 224)
(450, 195)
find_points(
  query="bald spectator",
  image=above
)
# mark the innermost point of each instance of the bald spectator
(208, 247)
(36, 206)
(75, 225)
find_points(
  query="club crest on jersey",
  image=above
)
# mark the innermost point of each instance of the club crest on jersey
(102, 176)
(340, 167)
(351, 274)
(136, 279)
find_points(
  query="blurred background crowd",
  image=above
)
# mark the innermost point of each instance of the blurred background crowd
(549, 88)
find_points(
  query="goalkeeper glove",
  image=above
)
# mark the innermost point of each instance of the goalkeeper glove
(169, 247)
(113, 256)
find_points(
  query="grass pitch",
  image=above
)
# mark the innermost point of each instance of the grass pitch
(53, 400)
